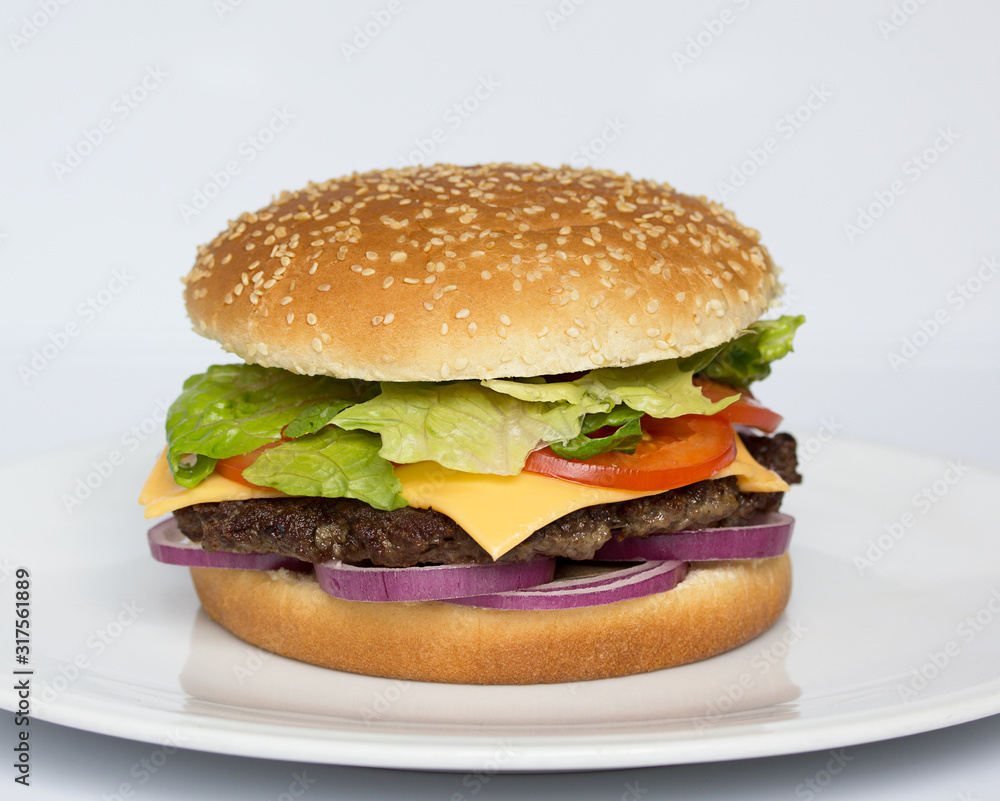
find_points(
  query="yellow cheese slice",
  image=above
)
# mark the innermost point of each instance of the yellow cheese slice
(161, 494)
(499, 512)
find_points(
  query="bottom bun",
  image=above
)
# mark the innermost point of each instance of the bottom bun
(719, 606)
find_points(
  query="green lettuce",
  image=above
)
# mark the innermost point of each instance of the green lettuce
(748, 358)
(460, 425)
(659, 389)
(344, 434)
(626, 435)
(331, 463)
(231, 409)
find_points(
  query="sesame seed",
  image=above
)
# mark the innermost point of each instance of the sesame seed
(311, 319)
(290, 317)
(269, 283)
(473, 328)
(681, 296)
(462, 313)
(428, 305)
(652, 306)
(485, 275)
(323, 288)
(285, 300)
(505, 319)
(377, 319)
(387, 282)
(368, 271)
(371, 255)
(317, 345)
(461, 363)
(444, 328)
(398, 255)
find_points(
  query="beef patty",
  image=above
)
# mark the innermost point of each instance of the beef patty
(318, 529)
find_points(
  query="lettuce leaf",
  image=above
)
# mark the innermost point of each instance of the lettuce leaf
(331, 464)
(231, 409)
(660, 389)
(626, 435)
(748, 358)
(461, 425)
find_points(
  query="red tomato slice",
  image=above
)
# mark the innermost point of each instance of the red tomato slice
(674, 452)
(745, 412)
(233, 467)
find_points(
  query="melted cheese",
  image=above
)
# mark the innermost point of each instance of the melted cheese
(499, 512)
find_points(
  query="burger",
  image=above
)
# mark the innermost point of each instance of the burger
(492, 425)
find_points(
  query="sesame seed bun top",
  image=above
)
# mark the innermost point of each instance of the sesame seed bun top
(445, 272)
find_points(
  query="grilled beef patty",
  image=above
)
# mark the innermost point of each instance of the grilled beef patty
(318, 529)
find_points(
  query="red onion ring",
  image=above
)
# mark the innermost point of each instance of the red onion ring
(168, 545)
(765, 536)
(430, 583)
(630, 582)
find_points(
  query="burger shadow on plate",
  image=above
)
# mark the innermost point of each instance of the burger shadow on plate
(228, 678)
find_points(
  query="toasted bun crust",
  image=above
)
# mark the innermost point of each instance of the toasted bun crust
(444, 272)
(719, 606)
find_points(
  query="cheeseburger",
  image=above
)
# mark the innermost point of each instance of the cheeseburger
(493, 425)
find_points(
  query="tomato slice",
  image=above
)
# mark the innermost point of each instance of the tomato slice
(233, 467)
(674, 452)
(745, 412)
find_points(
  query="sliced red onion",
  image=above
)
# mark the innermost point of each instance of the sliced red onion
(431, 583)
(767, 535)
(605, 588)
(168, 545)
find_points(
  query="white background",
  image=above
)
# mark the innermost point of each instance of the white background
(912, 109)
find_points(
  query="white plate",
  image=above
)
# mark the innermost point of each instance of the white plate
(909, 644)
